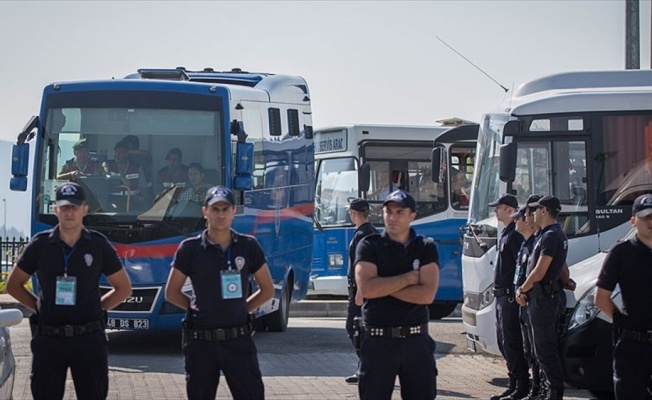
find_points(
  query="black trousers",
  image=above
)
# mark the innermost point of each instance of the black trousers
(544, 318)
(352, 311)
(510, 338)
(632, 369)
(528, 346)
(412, 359)
(85, 355)
(236, 358)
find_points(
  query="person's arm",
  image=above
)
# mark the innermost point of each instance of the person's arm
(265, 290)
(537, 273)
(604, 303)
(16, 288)
(121, 289)
(424, 291)
(173, 287)
(372, 286)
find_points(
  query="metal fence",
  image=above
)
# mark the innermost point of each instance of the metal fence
(10, 248)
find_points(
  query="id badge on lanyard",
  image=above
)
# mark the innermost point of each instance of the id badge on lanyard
(231, 280)
(66, 291)
(66, 287)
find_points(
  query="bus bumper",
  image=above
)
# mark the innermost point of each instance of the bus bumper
(328, 285)
(480, 328)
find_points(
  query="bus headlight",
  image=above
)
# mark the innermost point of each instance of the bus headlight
(335, 260)
(487, 297)
(585, 310)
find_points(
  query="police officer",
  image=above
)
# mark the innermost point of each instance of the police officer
(359, 213)
(69, 331)
(508, 328)
(525, 226)
(541, 292)
(218, 327)
(397, 274)
(629, 264)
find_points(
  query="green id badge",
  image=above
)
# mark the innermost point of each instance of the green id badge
(66, 291)
(231, 284)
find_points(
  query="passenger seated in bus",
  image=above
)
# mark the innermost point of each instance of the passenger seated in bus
(142, 158)
(130, 175)
(174, 174)
(196, 190)
(82, 164)
(459, 187)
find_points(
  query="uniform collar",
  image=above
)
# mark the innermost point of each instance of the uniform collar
(206, 242)
(639, 244)
(413, 235)
(53, 237)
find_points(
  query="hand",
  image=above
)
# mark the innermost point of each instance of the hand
(521, 298)
(358, 299)
(570, 285)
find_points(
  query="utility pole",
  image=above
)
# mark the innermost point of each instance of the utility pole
(632, 35)
(4, 236)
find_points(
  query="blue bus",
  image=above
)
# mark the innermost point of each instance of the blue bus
(249, 131)
(371, 161)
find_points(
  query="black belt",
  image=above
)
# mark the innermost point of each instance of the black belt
(218, 335)
(70, 330)
(639, 336)
(501, 292)
(395, 331)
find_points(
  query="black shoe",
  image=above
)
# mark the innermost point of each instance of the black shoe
(518, 394)
(503, 394)
(534, 393)
(352, 379)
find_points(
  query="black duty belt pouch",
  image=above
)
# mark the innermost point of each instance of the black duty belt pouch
(544, 289)
(501, 292)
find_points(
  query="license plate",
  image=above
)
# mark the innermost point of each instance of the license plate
(470, 344)
(123, 323)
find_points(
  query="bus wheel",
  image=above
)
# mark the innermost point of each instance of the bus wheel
(278, 320)
(441, 309)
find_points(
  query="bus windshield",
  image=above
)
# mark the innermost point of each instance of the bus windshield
(486, 182)
(138, 157)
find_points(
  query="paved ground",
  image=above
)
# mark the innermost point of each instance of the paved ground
(150, 366)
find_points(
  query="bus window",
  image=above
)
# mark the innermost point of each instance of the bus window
(337, 183)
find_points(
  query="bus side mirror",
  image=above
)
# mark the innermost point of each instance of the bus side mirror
(364, 176)
(244, 157)
(507, 169)
(19, 167)
(435, 165)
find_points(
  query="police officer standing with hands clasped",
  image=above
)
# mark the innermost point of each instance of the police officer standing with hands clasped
(629, 264)
(359, 212)
(508, 327)
(218, 327)
(397, 274)
(541, 292)
(69, 331)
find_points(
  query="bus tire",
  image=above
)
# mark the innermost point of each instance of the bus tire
(278, 320)
(441, 309)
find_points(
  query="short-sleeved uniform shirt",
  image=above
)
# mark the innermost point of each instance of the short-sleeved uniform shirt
(523, 260)
(551, 242)
(392, 258)
(201, 260)
(509, 245)
(363, 231)
(91, 257)
(629, 264)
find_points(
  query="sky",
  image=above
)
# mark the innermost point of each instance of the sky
(376, 62)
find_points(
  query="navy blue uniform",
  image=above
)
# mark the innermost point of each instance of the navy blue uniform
(543, 309)
(411, 357)
(235, 355)
(526, 328)
(629, 264)
(354, 310)
(508, 328)
(82, 347)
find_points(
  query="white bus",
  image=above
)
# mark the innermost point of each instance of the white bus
(585, 137)
(371, 161)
